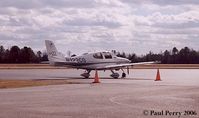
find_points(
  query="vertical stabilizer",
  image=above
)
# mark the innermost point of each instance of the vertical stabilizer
(53, 55)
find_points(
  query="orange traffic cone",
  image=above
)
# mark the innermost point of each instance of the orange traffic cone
(158, 76)
(96, 79)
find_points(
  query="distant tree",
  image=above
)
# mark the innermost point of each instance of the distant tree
(28, 56)
(24, 55)
(132, 57)
(32, 57)
(149, 56)
(166, 57)
(193, 57)
(6, 58)
(39, 55)
(14, 54)
(174, 55)
(124, 55)
(174, 51)
(44, 57)
(2, 54)
(183, 56)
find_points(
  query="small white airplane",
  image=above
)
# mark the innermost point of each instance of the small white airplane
(90, 61)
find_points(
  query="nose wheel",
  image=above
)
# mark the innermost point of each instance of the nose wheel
(123, 75)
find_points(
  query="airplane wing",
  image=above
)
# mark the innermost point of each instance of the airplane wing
(130, 64)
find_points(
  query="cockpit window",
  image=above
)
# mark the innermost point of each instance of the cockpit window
(107, 55)
(98, 56)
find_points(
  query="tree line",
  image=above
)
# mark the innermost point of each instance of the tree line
(21, 55)
(173, 56)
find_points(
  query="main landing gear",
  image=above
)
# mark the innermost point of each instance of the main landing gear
(123, 74)
(86, 74)
(114, 75)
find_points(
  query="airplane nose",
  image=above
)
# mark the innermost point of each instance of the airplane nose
(128, 61)
(124, 60)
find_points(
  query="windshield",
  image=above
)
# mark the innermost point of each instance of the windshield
(107, 55)
(98, 56)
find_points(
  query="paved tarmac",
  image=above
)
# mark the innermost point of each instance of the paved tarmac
(138, 96)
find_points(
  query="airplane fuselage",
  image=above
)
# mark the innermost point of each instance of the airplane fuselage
(93, 61)
(90, 61)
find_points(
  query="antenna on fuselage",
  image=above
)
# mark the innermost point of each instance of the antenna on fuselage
(69, 53)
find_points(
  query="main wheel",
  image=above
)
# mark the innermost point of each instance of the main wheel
(123, 75)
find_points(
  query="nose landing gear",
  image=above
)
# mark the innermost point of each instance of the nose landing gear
(123, 74)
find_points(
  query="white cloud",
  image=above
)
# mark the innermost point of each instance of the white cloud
(130, 25)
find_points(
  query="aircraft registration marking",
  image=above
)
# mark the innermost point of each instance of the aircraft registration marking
(53, 53)
(78, 60)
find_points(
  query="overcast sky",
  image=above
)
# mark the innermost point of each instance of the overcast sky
(136, 26)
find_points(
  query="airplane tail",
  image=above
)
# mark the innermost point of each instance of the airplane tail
(53, 55)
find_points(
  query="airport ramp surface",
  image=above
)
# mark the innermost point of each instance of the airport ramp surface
(136, 96)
